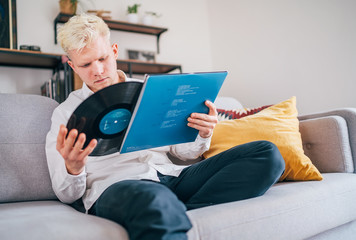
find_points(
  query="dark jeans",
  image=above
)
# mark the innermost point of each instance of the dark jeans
(151, 210)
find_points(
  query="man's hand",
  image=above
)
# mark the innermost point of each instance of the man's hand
(205, 123)
(72, 151)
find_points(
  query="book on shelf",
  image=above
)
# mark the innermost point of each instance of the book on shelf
(54, 87)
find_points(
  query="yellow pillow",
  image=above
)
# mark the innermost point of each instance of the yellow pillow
(278, 124)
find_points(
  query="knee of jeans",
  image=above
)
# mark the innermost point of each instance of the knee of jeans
(147, 194)
(158, 196)
(127, 196)
(275, 161)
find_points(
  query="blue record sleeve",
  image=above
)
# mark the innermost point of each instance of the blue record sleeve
(164, 105)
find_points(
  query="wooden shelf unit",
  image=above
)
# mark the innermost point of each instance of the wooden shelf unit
(117, 25)
(139, 67)
(41, 60)
(31, 59)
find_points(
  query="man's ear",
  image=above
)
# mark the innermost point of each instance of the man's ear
(70, 63)
(115, 49)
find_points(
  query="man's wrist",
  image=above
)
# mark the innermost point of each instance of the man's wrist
(75, 172)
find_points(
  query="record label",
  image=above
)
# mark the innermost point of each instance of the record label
(115, 121)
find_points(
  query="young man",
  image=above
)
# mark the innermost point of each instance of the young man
(144, 191)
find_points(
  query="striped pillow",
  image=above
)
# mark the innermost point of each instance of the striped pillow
(224, 114)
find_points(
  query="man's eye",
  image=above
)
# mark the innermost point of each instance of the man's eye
(102, 59)
(86, 65)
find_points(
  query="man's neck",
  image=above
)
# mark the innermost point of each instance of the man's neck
(121, 75)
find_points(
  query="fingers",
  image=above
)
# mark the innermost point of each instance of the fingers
(89, 148)
(205, 119)
(212, 112)
(202, 119)
(76, 152)
(69, 141)
(71, 148)
(78, 145)
(204, 123)
(62, 133)
(76, 158)
(212, 108)
(61, 136)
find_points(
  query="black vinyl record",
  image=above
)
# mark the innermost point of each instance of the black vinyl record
(105, 116)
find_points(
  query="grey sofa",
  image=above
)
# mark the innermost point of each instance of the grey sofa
(289, 210)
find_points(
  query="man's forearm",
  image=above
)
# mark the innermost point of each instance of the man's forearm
(69, 188)
(190, 151)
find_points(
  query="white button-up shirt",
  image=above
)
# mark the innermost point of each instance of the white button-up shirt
(101, 172)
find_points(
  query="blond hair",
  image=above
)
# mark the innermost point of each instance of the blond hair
(80, 30)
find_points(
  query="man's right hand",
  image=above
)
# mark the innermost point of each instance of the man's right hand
(72, 151)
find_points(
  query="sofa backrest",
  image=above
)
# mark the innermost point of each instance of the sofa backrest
(227, 103)
(349, 116)
(25, 121)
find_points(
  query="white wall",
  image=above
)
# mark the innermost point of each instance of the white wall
(273, 49)
(281, 48)
(187, 41)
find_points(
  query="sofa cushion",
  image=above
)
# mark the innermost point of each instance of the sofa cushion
(344, 232)
(25, 121)
(278, 124)
(54, 220)
(349, 114)
(326, 142)
(288, 210)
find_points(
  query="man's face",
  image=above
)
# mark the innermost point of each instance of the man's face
(96, 64)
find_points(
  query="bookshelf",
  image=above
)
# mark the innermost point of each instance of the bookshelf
(40, 60)
(32, 59)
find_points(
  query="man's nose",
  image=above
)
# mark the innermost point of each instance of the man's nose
(98, 68)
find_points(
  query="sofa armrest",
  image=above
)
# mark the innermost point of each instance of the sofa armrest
(349, 114)
(326, 142)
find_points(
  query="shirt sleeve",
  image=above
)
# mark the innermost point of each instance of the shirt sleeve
(192, 150)
(68, 188)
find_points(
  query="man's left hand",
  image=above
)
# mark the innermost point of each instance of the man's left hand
(205, 123)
